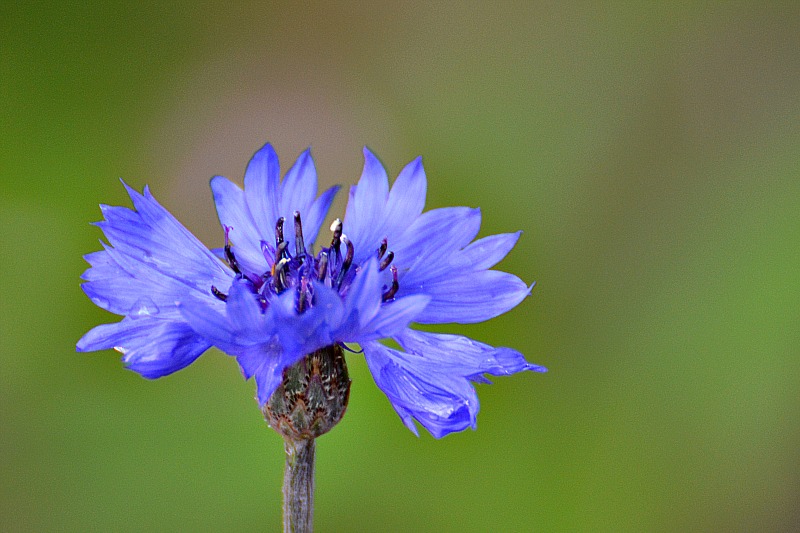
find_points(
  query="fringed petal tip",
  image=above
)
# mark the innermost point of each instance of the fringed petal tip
(151, 347)
(535, 368)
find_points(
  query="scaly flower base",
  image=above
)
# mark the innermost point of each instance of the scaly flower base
(309, 402)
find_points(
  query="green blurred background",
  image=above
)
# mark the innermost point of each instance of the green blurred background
(651, 154)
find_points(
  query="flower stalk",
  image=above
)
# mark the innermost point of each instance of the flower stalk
(298, 486)
(309, 402)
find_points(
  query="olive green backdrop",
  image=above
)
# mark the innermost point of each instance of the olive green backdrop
(650, 153)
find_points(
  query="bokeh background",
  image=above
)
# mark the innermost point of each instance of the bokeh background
(651, 154)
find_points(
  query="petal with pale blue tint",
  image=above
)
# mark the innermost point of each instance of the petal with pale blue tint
(424, 251)
(457, 355)
(441, 403)
(151, 347)
(477, 256)
(313, 220)
(102, 266)
(302, 333)
(127, 285)
(211, 323)
(233, 213)
(394, 317)
(153, 263)
(471, 297)
(364, 219)
(363, 300)
(407, 197)
(156, 238)
(299, 186)
(266, 362)
(122, 295)
(269, 375)
(487, 252)
(297, 193)
(194, 256)
(261, 189)
(245, 319)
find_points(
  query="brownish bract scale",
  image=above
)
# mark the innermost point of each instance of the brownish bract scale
(312, 397)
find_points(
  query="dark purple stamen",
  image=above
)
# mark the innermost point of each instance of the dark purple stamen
(322, 269)
(216, 292)
(299, 244)
(383, 247)
(387, 261)
(279, 278)
(389, 295)
(232, 262)
(280, 251)
(301, 300)
(348, 260)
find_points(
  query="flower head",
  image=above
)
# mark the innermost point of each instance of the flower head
(268, 299)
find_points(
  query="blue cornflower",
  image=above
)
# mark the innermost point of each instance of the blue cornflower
(269, 299)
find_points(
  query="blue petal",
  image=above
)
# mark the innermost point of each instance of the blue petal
(233, 212)
(299, 187)
(269, 376)
(487, 252)
(156, 238)
(252, 358)
(363, 299)
(102, 266)
(425, 248)
(295, 335)
(123, 217)
(457, 355)
(151, 347)
(316, 215)
(99, 259)
(261, 181)
(154, 262)
(302, 333)
(393, 317)
(194, 257)
(137, 284)
(478, 256)
(297, 193)
(442, 404)
(211, 322)
(407, 197)
(471, 297)
(126, 295)
(267, 366)
(242, 307)
(364, 219)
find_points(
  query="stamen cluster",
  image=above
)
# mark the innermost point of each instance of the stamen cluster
(332, 266)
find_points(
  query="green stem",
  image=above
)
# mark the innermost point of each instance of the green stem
(298, 486)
